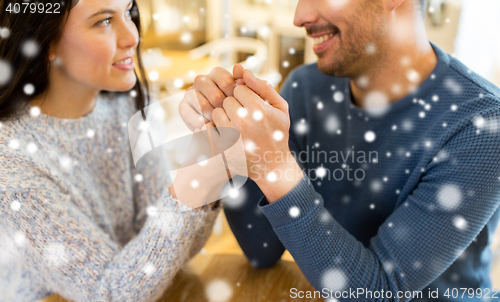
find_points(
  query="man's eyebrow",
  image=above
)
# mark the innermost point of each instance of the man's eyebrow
(107, 11)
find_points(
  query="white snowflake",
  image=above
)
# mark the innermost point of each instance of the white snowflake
(321, 172)
(133, 93)
(272, 176)
(15, 206)
(320, 105)
(334, 279)
(407, 125)
(332, 124)
(460, 223)
(153, 75)
(449, 197)
(90, 133)
(138, 177)
(35, 111)
(370, 136)
(242, 112)
(301, 127)
(29, 89)
(55, 254)
(30, 48)
(195, 183)
(4, 32)
(186, 37)
(453, 86)
(257, 115)
(31, 148)
(149, 269)
(219, 291)
(295, 84)
(249, 145)
(6, 73)
(286, 64)
(294, 212)
(178, 83)
(14, 144)
(278, 135)
(435, 98)
(338, 96)
(65, 162)
(291, 50)
(376, 186)
(152, 211)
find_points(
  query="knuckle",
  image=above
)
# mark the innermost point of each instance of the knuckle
(217, 96)
(199, 79)
(239, 89)
(227, 82)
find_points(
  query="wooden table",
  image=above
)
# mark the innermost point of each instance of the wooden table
(242, 282)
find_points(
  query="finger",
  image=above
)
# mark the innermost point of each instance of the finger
(200, 104)
(220, 118)
(204, 106)
(206, 86)
(223, 79)
(265, 90)
(247, 97)
(240, 81)
(231, 106)
(191, 118)
(238, 72)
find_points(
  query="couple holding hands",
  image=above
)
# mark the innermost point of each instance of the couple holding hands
(79, 219)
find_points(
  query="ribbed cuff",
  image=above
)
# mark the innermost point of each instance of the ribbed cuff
(301, 200)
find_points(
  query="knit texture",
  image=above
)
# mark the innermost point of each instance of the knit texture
(77, 217)
(419, 213)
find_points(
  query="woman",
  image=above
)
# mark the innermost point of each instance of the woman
(77, 218)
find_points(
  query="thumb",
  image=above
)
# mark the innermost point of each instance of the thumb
(265, 90)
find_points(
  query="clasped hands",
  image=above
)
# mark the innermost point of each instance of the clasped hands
(254, 108)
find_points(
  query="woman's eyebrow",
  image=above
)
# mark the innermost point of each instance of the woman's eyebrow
(107, 11)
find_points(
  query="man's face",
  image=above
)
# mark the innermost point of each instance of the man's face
(348, 34)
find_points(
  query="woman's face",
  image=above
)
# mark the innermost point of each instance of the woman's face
(97, 45)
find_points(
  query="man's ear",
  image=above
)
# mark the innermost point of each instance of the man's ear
(393, 4)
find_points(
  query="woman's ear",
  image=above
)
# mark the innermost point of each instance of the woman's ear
(52, 54)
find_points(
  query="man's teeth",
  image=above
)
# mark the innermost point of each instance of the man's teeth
(322, 39)
(124, 62)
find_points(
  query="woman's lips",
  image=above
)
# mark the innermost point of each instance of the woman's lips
(125, 64)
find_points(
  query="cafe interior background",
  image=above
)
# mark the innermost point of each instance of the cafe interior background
(184, 38)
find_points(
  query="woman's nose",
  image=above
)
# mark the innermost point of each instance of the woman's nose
(129, 36)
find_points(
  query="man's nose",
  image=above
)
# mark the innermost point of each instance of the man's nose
(305, 13)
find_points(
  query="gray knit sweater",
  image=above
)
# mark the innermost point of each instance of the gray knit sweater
(78, 219)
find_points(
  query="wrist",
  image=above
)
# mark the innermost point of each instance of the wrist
(275, 182)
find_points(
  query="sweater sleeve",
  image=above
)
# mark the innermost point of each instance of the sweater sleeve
(454, 199)
(79, 261)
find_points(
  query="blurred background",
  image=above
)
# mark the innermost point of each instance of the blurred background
(184, 38)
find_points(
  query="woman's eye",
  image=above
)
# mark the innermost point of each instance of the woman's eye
(128, 14)
(104, 23)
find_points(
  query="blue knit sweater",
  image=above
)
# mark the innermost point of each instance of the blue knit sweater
(401, 200)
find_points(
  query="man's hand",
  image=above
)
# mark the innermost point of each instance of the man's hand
(260, 114)
(207, 93)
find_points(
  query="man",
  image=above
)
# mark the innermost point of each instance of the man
(387, 185)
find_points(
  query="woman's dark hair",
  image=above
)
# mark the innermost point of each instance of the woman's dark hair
(17, 69)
